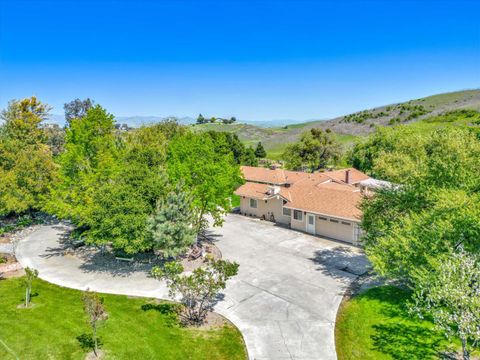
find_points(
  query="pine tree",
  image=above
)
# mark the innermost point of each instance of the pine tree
(200, 119)
(171, 225)
(260, 151)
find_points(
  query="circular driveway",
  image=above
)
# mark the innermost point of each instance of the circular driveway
(284, 299)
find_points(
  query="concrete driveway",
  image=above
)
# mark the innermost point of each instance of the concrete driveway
(284, 299)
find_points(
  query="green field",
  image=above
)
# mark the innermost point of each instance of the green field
(137, 328)
(377, 325)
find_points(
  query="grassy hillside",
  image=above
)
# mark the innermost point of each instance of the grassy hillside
(350, 127)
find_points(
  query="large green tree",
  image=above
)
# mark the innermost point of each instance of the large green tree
(122, 205)
(315, 150)
(210, 175)
(434, 210)
(26, 166)
(89, 160)
(226, 143)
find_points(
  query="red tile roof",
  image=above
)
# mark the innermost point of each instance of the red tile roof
(324, 193)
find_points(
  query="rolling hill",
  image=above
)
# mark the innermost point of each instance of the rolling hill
(349, 127)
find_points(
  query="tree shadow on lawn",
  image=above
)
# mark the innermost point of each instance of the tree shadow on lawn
(341, 262)
(407, 341)
(401, 337)
(170, 312)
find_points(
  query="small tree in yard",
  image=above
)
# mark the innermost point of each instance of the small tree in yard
(451, 295)
(198, 292)
(171, 225)
(30, 275)
(93, 306)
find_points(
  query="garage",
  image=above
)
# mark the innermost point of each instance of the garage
(334, 228)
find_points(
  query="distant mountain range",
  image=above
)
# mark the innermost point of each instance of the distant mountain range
(360, 123)
(136, 121)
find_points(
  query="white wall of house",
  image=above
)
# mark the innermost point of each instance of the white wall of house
(299, 223)
(335, 228)
(264, 208)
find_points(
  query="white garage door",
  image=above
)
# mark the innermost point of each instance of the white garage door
(335, 228)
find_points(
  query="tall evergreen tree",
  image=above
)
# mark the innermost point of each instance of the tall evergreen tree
(171, 225)
(201, 119)
(260, 151)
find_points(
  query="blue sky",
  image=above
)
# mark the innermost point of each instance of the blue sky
(256, 60)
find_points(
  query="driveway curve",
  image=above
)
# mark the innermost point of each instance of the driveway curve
(284, 299)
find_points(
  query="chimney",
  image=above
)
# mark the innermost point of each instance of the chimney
(347, 176)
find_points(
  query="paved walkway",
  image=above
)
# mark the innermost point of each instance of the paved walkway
(6, 248)
(284, 299)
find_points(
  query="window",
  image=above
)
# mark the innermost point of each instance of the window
(298, 215)
(346, 223)
(253, 203)
(322, 218)
(334, 221)
(287, 212)
(311, 220)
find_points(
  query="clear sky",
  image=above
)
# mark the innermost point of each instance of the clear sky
(255, 60)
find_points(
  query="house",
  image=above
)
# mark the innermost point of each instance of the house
(323, 203)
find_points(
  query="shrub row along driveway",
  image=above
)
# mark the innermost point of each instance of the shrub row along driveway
(284, 299)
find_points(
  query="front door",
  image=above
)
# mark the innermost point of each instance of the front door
(311, 223)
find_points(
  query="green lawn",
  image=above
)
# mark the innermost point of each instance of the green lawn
(376, 325)
(54, 327)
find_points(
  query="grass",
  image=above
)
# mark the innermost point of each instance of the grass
(55, 328)
(376, 325)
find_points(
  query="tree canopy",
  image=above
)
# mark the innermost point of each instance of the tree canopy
(89, 159)
(211, 175)
(315, 150)
(27, 169)
(118, 187)
(77, 109)
(436, 207)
